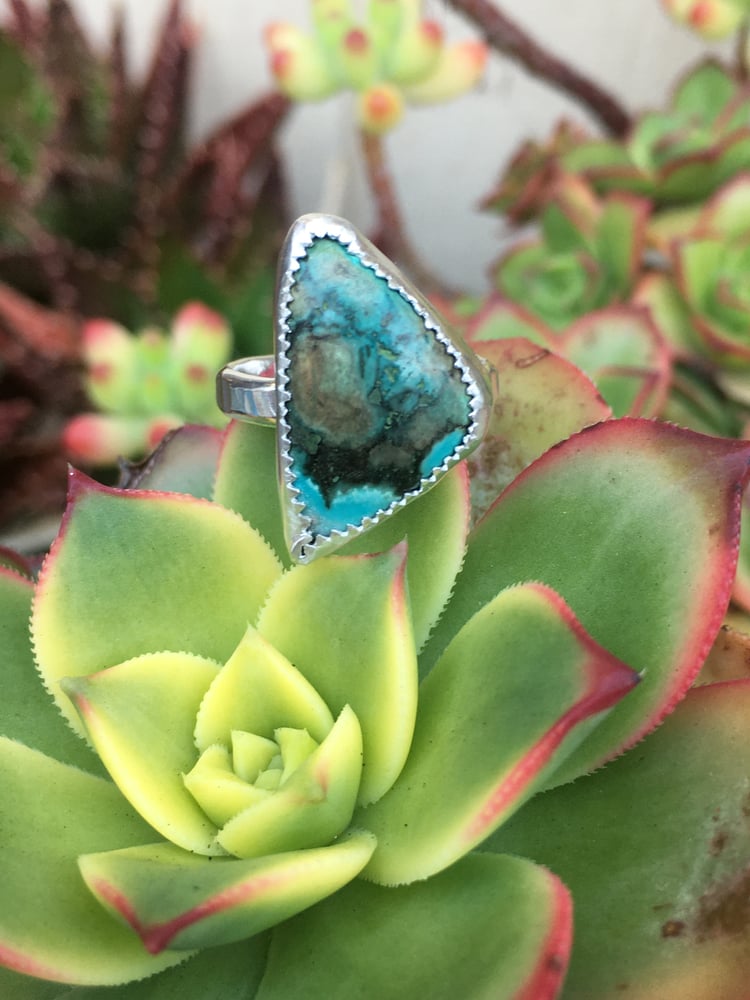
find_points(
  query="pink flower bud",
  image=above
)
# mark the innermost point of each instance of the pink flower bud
(379, 108)
(109, 353)
(100, 439)
(709, 18)
(298, 64)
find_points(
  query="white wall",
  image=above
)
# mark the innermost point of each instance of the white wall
(443, 158)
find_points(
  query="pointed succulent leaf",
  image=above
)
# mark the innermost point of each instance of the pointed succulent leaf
(630, 521)
(363, 655)
(625, 354)
(176, 900)
(27, 713)
(51, 927)
(139, 715)
(485, 928)
(256, 691)
(705, 91)
(184, 462)
(226, 972)
(522, 685)
(728, 212)
(620, 240)
(539, 399)
(675, 868)
(741, 591)
(443, 512)
(658, 293)
(311, 807)
(247, 481)
(138, 572)
(501, 319)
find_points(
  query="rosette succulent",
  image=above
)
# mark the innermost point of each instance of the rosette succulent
(287, 781)
(679, 155)
(586, 257)
(395, 57)
(147, 384)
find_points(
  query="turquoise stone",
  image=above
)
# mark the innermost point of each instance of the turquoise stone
(377, 401)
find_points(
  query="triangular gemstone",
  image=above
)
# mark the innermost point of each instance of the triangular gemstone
(375, 403)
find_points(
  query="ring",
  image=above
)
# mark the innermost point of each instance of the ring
(372, 400)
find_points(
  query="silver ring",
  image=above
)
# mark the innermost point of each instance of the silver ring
(373, 400)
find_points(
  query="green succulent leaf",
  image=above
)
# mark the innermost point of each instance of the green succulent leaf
(257, 691)
(635, 524)
(365, 658)
(247, 482)
(139, 715)
(27, 712)
(138, 572)
(51, 926)
(174, 899)
(227, 972)
(673, 920)
(622, 350)
(728, 213)
(502, 319)
(522, 685)
(705, 91)
(539, 399)
(184, 462)
(487, 927)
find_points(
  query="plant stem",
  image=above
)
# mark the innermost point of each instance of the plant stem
(510, 39)
(390, 234)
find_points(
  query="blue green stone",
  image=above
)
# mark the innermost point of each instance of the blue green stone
(377, 402)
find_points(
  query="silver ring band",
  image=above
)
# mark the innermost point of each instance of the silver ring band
(247, 389)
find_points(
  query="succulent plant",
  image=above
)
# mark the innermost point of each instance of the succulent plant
(395, 57)
(679, 155)
(103, 210)
(586, 257)
(147, 384)
(299, 771)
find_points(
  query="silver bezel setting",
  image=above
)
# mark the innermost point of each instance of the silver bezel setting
(303, 544)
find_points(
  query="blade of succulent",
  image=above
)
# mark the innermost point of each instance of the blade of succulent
(632, 522)
(26, 712)
(497, 927)
(174, 901)
(126, 711)
(676, 922)
(626, 355)
(185, 461)
(51, 926)
(513, 721)
(195, 596)
(246, 481)
(741, 591)
(368, 661)
(539, 400)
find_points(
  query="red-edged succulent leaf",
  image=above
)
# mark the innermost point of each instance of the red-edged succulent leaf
(635, 524)
(135, 572)
(514, 693)
(344, 623)
(655, 848)
(27, 713)
(51, 926)
(140, 716)
(539, 399)
(184, 462)
(625, 354)
(486, 927)
(502, 319)
(729, 658)
(247, 482)
(177, 900)
(741, 592)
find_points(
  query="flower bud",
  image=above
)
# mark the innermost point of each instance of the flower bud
(710, 18)
(416, 53)
(100, 439)
(109, 353)
(298, 64)
(379, 108)
(458, 70)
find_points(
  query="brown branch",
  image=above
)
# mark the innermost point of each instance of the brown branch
(390, 233)
(507, 37)
(741, 51)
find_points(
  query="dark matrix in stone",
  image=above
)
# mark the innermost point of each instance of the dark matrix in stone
(376, 401)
